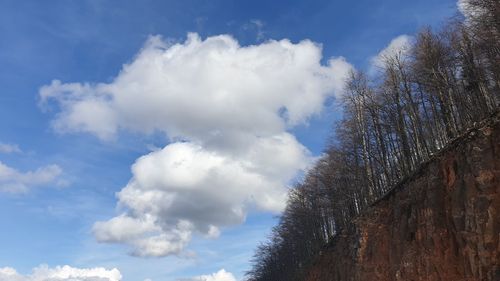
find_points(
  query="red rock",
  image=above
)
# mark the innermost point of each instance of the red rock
(443, 224)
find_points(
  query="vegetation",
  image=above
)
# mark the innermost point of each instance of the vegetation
(424, 97)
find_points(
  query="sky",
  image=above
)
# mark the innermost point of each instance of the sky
(156, 140)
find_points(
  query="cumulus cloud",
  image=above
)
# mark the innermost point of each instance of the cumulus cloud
(14, 181)
(221, 275)
(202, 89)
(9, 148)
(61, 273)
(400, 46)
(227, 110)
(184, 188)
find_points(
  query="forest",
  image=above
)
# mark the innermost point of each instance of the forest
(421, 99)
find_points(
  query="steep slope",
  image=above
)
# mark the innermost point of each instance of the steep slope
(443, 223)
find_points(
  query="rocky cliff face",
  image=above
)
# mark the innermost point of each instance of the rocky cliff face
(443, 223)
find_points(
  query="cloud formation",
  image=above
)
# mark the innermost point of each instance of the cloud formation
(463, 6)
(257, 26)
(202, 89)
(9, 148)
(227, 110)
(400, 45)
(61, 273)
(469, 10)
(221, 275)
(14, 181)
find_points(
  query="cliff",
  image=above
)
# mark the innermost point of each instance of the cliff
(443, 223)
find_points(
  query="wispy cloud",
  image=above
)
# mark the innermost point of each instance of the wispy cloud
(257, 26)
(9, 148)
(14, 181)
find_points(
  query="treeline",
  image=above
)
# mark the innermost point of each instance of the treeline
(424, 97)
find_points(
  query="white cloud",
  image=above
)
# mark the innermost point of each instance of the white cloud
(399, 46)
(257, 26)
(14, 181)
(202, 89)
(9, 148)
(226, 108)
(61, 273)
(470, 11)
(184, 188)
(463, 6)
(221, 275)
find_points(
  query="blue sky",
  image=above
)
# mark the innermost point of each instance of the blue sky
(48, 217)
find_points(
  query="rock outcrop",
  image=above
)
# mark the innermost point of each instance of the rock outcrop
(443, 223)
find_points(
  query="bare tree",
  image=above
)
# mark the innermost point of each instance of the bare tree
(423, 99)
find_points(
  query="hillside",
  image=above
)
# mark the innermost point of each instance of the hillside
(407, 188)
(442, 223)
